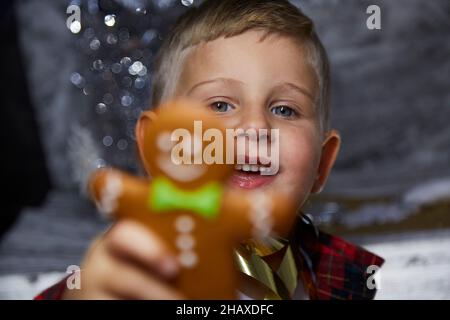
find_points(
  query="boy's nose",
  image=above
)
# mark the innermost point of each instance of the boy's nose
(254, 117)
(254, 136)
(254, 125)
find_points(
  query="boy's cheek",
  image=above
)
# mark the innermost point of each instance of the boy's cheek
(299, 161)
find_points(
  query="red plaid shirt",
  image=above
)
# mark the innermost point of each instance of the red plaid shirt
(330, 268)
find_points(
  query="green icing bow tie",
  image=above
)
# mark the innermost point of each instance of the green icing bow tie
(165, 196)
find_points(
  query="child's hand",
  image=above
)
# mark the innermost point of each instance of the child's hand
(127, 262)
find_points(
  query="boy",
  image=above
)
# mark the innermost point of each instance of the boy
(258, 64)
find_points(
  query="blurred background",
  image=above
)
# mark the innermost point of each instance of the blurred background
(71, 96)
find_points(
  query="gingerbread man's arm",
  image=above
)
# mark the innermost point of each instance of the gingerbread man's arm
(119, 194)
(251, 212)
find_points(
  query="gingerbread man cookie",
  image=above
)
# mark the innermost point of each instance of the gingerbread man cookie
(186, 201)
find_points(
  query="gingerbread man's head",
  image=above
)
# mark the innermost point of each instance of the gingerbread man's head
(183, 142)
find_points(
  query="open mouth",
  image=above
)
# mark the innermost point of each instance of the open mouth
(251, 176)
(263, 170)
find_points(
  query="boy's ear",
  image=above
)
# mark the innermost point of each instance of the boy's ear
(330, 150)
(144, 122)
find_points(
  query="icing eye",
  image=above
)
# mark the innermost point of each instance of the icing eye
(164, 142)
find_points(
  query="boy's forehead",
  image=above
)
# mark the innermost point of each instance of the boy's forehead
(249, 59)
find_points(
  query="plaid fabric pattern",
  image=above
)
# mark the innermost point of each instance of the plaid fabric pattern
(329, 267)
(55, 292)
(332, 268)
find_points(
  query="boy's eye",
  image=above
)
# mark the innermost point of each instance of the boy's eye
(283, 111)
(221, 106)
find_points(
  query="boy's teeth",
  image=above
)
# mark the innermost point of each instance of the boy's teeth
(251, 168)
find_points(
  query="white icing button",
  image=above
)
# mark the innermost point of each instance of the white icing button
(184, 224)
(185, 242)
(188, 259)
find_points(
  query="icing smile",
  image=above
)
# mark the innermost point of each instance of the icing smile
(180, 172)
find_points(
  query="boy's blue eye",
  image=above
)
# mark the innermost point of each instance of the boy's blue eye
(221, 106)
(283, 111)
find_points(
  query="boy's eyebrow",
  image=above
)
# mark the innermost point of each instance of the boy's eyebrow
(301, 90)
(223, 80)
(283, 85)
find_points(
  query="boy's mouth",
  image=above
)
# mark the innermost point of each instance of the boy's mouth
(251, 176)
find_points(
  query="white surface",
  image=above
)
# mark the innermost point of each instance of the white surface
(432, 191)
(416, 267)
(23, 287)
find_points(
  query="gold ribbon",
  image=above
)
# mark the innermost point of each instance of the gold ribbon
(271, 265)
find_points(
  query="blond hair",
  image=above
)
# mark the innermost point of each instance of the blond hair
(227, 18)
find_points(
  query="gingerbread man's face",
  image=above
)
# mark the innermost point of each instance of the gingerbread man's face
(179, 145)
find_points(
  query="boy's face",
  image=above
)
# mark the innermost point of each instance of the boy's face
(264, 85)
